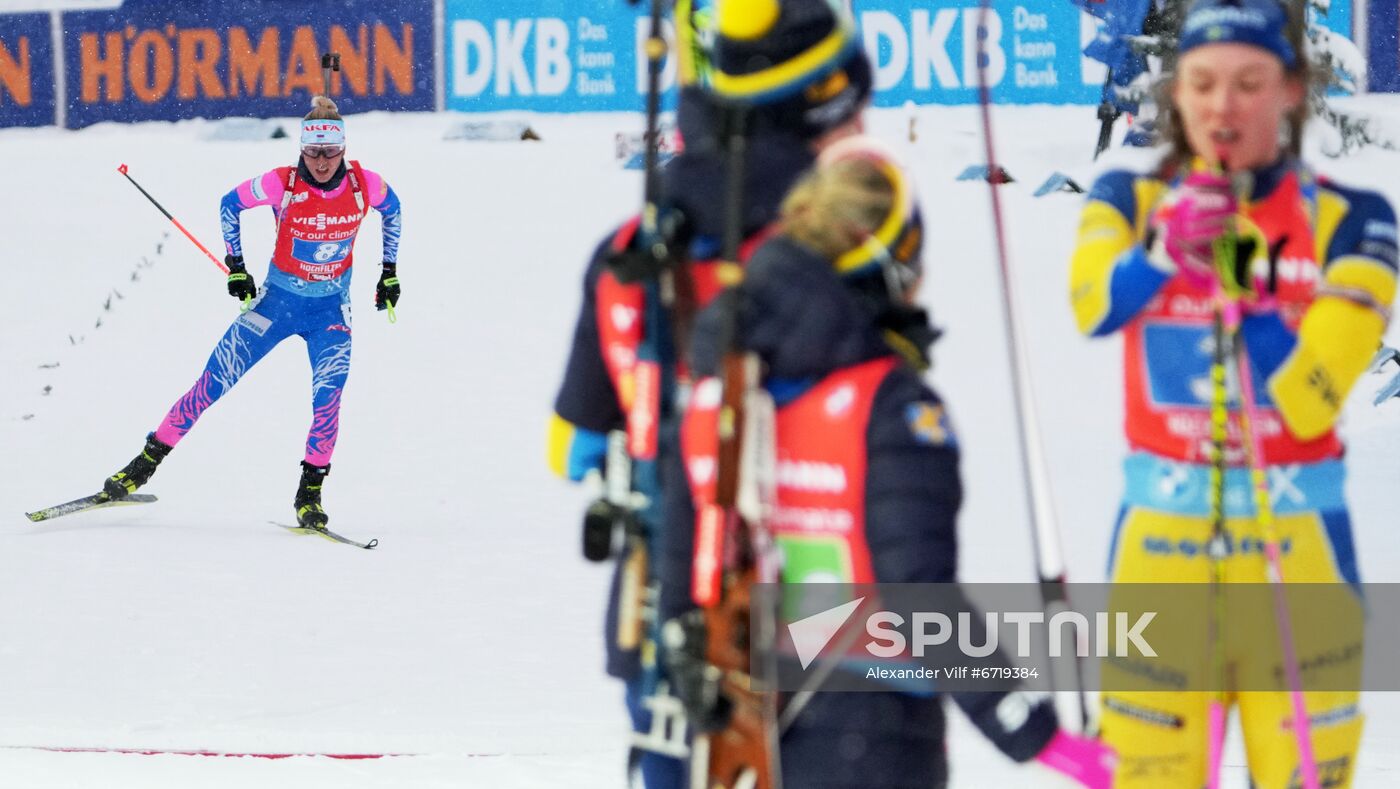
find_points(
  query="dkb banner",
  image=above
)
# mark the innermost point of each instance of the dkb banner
(562, 56)
(168, 59)
(550, 56)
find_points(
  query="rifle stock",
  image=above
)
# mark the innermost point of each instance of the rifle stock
(743, 752)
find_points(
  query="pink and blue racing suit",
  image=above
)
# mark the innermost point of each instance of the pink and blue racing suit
(305, 292)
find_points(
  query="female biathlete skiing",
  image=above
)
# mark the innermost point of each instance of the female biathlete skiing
(318, 205)
(1233, 223)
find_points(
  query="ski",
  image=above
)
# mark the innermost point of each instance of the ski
(1059, 182)
(321, 531)
(93, 502)
(1388, 391)
(1385, 355)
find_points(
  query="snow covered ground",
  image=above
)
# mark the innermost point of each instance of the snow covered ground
(469, 640)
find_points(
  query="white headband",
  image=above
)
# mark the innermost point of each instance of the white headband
(322, 132)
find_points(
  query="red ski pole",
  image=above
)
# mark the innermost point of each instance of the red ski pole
(176, 222)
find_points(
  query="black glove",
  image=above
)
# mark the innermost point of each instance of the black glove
(644, 259)
(697, 682)
(240, 283)
(386, 293)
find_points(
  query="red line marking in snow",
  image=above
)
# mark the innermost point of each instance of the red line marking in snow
(150, 752)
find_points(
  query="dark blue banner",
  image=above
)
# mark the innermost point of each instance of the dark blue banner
(1383, 31)
(168, 60)
(26, 70)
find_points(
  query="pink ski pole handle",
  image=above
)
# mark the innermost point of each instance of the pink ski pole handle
(1215, 728)
(1084, 759)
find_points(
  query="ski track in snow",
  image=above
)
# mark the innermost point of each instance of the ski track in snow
(470, 636)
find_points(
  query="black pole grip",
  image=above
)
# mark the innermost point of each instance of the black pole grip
(154, 202)
(330, 61)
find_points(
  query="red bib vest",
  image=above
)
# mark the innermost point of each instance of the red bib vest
(316, 234)
(818, 518)
(1166, 353)
(619, 316)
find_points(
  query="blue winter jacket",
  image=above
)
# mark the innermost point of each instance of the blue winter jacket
(587, 402)
(805, 323)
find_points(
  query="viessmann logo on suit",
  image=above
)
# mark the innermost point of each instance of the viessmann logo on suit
(322, 221)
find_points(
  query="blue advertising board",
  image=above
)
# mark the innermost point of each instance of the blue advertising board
(554, 56)
(1383, 32)
(26, 70)
(167, 60)
(1338, 18)
(927, 54)
(549, 56)
(562, 56)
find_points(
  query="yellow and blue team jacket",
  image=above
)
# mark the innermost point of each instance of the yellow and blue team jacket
(1329, 253)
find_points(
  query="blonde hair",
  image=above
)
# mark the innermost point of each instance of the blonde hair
(836, 206)
(323, 109)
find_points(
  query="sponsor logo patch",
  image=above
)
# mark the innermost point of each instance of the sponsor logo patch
(623, 317)
(702, 469)
(928, 423)
(322, 221)
(1379, 229)
(840, 401)
(1166, 546)
(254, 323)
(811, 476)
(1144, 714)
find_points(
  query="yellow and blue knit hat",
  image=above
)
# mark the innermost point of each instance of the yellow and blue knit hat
(898, 240)
(799, 61)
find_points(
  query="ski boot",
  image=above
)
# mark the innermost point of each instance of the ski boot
(138, 472)
(310, 514)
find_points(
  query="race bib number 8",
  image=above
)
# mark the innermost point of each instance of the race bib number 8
(321, 252)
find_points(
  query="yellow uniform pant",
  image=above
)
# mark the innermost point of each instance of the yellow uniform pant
(1161, 736)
